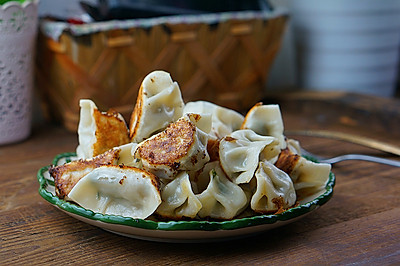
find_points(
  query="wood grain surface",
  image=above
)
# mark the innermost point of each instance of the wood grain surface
(359, 225)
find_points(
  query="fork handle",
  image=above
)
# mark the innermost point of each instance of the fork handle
(361, 157)
(364, 141)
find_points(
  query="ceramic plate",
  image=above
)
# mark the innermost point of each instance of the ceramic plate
(177, 231)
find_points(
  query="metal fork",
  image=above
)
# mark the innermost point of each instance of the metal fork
(345, 157)
(375, 144)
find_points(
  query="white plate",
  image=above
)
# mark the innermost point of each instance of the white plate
(178, 231)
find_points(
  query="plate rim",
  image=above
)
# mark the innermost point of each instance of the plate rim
(191, 225)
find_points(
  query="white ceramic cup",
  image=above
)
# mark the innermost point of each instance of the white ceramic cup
(349, 45)
(18, 28)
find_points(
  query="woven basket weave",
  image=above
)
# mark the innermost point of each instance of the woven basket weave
(225, 62)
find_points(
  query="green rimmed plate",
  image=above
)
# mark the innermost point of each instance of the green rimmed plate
(177, 231)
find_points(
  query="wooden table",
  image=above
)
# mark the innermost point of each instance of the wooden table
(360, 224)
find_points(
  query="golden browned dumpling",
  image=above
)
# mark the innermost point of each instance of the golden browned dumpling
(181, 146)
(67, 175)
(158, 104)
(309, 178)
(118, 190)
(99, 131)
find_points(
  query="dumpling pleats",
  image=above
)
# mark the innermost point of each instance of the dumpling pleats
(274, 190)
(240, 152)
(178, 199)
(222, 199)
(224, 120)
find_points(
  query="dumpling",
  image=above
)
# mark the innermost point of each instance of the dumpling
(181, 146)
(118, 190)
(309, 178)
(224, 120)
(240, 152)
(158, 104)
(287, 160)
(274, 190)
(126, 155)
(266, 120)
(222, 199)
(99, 131)
(202, 122)
(294, 146)
(178, 199)
(67, 175)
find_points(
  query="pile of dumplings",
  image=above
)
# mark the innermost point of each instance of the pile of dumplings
(193, 160)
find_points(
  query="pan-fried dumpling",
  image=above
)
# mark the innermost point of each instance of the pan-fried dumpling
(178, 199)
(222, 199)
(266, 120)
(158, 104)
(99, 131)
(309, 178)
(67, 175)
(180, 147)
(118, 190)
(224, 120)
(126, 155)
(274, 189)
(240, 152)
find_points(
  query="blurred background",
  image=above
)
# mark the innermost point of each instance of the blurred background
(308, 53)
(234, 59)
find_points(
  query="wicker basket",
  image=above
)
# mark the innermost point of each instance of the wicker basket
(219, 58)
